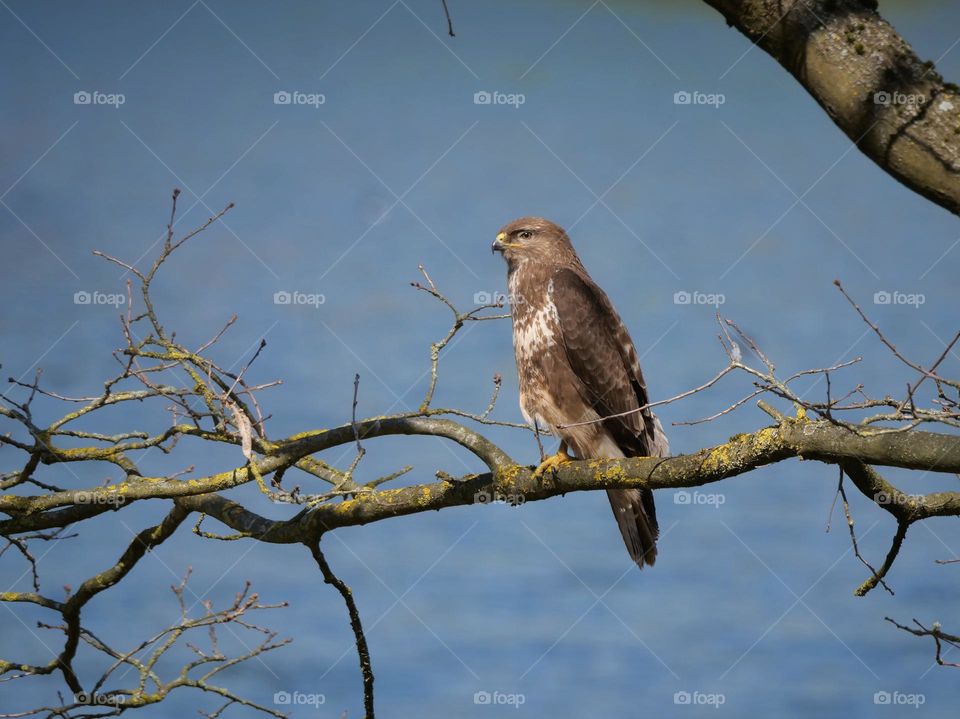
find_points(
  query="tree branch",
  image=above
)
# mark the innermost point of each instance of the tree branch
(792, 438)
(363, 651)
(895, 107)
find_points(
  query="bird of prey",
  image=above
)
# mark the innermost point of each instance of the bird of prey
(579, 373)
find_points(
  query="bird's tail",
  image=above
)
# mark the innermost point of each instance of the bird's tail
(637, 518)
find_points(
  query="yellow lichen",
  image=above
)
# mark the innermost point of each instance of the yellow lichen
(718, 457)
(305, 435)
(507, 476)
(616, 472)
(425, 495)
(725, 456)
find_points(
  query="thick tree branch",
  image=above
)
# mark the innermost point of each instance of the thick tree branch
(791, 438)
(821, 440)
(896, 108)
(280, 455)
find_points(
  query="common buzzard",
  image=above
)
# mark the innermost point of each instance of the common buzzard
(579, 373)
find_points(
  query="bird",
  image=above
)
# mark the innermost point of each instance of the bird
(578, 370)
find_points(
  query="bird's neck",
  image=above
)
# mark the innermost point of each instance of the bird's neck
(527, 285)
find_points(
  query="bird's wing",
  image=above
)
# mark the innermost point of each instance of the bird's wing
(602, 355)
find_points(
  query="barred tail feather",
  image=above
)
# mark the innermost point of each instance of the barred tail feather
(636, 516)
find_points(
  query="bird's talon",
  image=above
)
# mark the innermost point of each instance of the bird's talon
(553, 462)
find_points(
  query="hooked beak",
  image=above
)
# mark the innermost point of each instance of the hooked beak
(500, 244)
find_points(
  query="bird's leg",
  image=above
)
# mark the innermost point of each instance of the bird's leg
(554, 461)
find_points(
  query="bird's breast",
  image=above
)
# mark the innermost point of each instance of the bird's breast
(536, 322)
(536, 334)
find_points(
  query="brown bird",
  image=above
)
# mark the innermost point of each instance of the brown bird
(579, 373)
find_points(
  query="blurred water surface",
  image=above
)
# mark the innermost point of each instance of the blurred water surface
(398, 166)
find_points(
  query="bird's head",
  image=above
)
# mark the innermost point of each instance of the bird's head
(534, 238)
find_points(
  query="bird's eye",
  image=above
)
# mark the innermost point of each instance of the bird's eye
(525, 235)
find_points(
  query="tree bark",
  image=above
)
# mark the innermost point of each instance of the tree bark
(792, 438)
(896, 108)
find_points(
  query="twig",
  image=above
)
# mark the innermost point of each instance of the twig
(356, 430)
(709, 383)
(938, 636)
(363, 651)
(446, 11)
(876, 576)
(892, 347)
(895, 545)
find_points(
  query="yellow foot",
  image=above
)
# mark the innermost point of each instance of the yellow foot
(552, 462)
